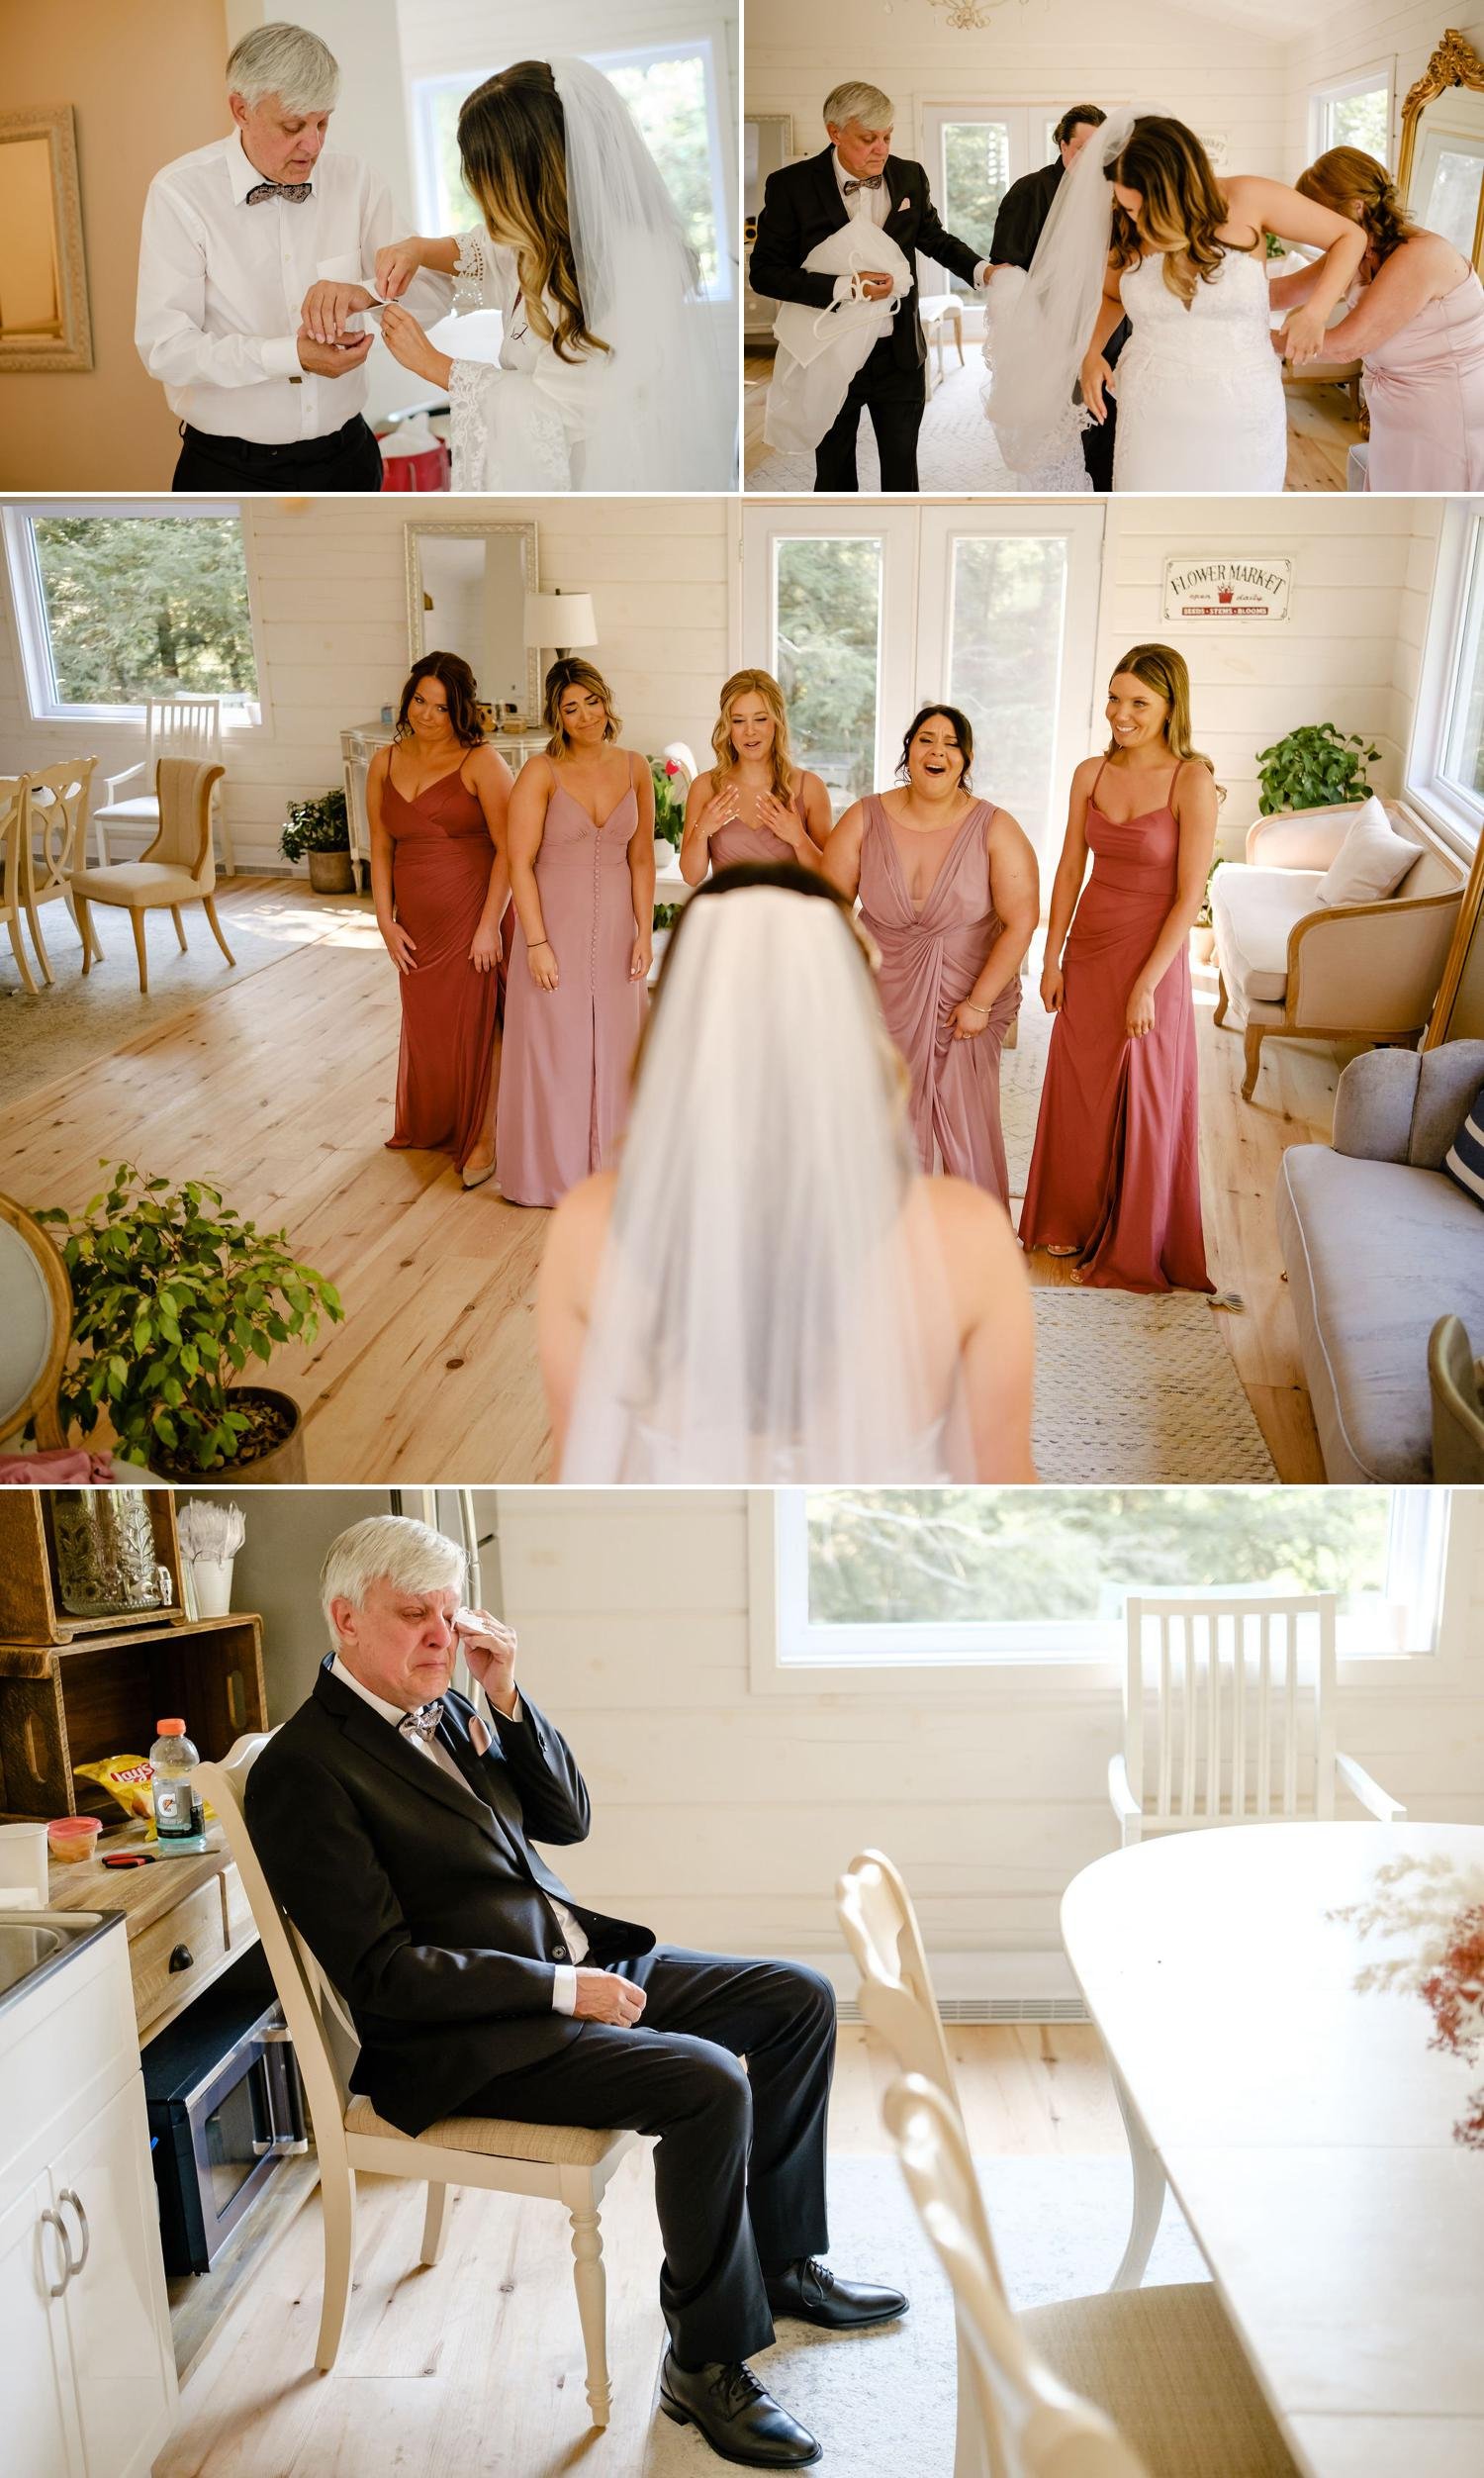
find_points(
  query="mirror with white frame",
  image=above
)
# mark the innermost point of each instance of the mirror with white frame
(466, 595)
(1440, 167)
(44, 293)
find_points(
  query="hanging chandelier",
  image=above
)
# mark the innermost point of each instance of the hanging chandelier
(969, 17)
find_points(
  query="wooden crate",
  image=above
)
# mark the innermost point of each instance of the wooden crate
(30, 1610)
(65, 1704)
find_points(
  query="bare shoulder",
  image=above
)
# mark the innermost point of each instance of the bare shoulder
(485, 764)
(380, 764)
(1084, 775)
(975, 1234)
(576, 1236)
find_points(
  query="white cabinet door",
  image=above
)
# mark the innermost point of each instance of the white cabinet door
(117, 2321)
(36, 2405)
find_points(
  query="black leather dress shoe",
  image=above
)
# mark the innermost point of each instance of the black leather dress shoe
(739, 2419)
(814, 2294)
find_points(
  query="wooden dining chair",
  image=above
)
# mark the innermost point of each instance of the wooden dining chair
(174, 726)
(53, 846)
(12, 876)
(568, 2164)
(1153, 2385)
(179, 867)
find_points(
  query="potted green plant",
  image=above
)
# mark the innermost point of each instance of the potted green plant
(318, 830)
(1315, 767)
(174, 1295)
(670, 785)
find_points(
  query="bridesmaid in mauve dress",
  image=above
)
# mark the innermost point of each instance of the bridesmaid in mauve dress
(1115, 1175)
(582, 872)
(949, 892)
(436, 803)
(754, 804)
(1417, 326)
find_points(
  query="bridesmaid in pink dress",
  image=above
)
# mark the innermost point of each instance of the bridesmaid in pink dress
(1115, 1175)
(582, 872)
(949, 892)
(436, 803)
(1417, 326)
(754, 804)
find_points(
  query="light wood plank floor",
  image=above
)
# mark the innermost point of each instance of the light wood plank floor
(280, 1091)
(475, 2366)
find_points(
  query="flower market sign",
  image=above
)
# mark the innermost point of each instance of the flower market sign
(1227, 589)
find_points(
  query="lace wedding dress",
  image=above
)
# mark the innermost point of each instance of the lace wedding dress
(1200, 390)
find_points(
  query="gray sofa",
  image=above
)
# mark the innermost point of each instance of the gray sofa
(1378, 1243)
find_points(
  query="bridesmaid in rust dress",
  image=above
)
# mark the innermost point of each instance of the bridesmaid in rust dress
(436, 800)
(582, 873)
(754, 804)
(1115, 1176)
(949, 892)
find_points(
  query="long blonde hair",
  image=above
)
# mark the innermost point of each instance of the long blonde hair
(570, 671)
(1183, 208)
(512, 144)
(1164, 671)
(753, 684)
(1344, 179)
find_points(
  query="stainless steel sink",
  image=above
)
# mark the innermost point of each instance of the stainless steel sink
(30, 1940)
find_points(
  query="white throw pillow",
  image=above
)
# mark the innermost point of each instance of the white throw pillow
(1370, 863)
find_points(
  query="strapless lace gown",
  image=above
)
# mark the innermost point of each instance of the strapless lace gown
(1200, 390)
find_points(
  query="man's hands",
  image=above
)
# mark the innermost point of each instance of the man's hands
(874, 285)
(603, 1997)
(329, 310)
(330, 361)
(489, 1647)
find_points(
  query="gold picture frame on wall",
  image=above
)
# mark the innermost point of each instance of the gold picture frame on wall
(44, 287)
(1455, 66)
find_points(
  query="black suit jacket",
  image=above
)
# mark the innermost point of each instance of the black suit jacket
(803, 204)
(422, 1900)
(1023, 211)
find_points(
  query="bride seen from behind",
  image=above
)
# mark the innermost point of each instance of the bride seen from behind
(766, 1289)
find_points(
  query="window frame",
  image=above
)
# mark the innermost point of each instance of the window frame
(1085, 1657)
(32, 632)
(1458, 578)
(1379, 75)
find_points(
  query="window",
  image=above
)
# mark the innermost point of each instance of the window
(974, 151)
(1445, 763)
(117, 607)
(958, 1577)
(1355, 113)
(671, 90)
(828, 656)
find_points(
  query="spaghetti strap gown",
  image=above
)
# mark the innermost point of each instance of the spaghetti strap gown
(564, 1075)
(931, 957)
(742, 846)
(1115, 1171)
(441, 856)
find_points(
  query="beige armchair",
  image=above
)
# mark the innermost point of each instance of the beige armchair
(1350, 971)
(178, 867)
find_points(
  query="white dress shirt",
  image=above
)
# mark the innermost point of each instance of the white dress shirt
(222, 288)
(868, 206)
(564, 1985)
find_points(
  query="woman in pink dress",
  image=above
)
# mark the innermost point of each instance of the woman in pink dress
(1115, 1175)
(436, 803)
(1417, 326)
(754, 804)
(582, 873)
(949, 892)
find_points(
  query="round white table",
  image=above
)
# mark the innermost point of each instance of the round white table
(1304, 2120)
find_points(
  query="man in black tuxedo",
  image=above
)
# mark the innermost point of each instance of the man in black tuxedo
(395, 1827)
(857, 177)
(1018, 226)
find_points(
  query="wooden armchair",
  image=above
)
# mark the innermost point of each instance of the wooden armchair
(53, 846)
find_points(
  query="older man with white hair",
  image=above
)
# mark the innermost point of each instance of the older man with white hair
(857, 179)
(396, 1826)
(242, 242)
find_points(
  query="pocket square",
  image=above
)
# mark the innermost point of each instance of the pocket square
(903, 205)
(479, 1736)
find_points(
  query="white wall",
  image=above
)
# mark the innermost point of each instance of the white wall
(1358, 35)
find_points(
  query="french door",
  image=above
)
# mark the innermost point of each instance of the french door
(973, 153)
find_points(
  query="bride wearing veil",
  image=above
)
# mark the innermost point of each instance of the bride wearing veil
(766, 1289)
(584, 358)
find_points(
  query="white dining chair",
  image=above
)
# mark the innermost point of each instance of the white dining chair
(179, 867)
(53, 846)
(174, 726)
(568, 2164)
(1148, 2386)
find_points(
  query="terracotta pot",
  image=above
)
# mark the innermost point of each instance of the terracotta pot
(331, 873)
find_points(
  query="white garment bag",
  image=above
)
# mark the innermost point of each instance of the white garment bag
(820, 351)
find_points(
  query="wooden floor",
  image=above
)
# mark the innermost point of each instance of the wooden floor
(280, 1091)
(1322, 428)
(475, 2366)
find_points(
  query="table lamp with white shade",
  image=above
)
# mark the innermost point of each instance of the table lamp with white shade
(563, 622)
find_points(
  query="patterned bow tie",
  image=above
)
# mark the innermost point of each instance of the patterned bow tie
(422, 1723)
(870, 181)
(296, 192)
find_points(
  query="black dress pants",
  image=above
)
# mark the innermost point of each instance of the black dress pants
(893, 397)
(1100, 439)
(739, 2164)
(348, 459)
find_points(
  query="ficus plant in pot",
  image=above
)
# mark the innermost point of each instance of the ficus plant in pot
(318, 830)
(1315, 767)
(176, 1298)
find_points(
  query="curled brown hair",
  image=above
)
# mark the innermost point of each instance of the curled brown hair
(1164, 671)
(962, 734)
(1343, 180)
(1183, 210)
(753, 684)
(458, 680)
(513, 145)
(571, 672)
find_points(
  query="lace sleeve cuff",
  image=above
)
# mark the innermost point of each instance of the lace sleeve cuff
(472, 272)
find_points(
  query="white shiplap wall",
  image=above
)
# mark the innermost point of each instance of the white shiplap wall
(1359, 36)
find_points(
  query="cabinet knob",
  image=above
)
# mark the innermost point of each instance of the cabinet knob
(182, 1959)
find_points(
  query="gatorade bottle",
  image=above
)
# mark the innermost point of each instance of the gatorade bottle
(174, 1760)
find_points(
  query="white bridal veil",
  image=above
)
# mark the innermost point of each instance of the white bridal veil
(769, 1306)
(1039, 354)
(663, 422)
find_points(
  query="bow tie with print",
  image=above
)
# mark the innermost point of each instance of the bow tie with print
(869, 180)
(296, 192)
(422, 1723)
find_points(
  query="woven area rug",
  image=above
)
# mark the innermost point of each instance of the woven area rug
(884, 2400)
(1132, 1390)
(956, 448)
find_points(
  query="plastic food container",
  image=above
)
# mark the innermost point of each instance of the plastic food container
(72, 1838)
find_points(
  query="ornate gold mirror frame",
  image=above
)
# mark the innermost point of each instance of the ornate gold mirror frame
(64, 341)
(1454, 64)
